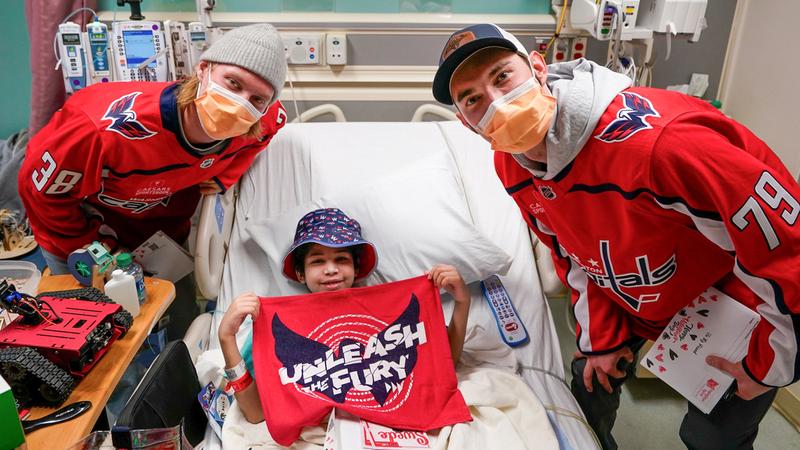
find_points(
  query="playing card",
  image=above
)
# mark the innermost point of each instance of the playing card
(164, 258)
(330, 433)
(347, 432)
(712, 324)
(343, 432)
(379, 437)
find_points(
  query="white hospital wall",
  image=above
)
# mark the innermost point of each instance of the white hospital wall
(762, 71)
(760, 89)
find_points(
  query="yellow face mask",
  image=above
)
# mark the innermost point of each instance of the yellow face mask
(222, 113)
(519, 120)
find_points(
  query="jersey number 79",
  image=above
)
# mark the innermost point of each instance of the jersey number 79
(774, 195)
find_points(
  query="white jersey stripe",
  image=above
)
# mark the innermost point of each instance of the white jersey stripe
(578, 280)
(782, 340)
(713, 230)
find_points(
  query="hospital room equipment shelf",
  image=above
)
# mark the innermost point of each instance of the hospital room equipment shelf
(101, 381)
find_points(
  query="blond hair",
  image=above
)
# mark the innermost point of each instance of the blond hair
(187, 92)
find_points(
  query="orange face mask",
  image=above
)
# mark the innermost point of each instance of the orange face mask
(224, 114)
(519, 120)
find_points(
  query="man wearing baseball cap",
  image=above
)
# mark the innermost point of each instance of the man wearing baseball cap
(121, 161)
(646, 198)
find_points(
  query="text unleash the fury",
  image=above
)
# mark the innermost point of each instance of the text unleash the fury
(385, 357)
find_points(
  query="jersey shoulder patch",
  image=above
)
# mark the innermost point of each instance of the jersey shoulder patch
(123, 118)
(631, 118)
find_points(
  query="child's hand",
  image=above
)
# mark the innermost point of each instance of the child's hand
(447, 278)
(244, 304)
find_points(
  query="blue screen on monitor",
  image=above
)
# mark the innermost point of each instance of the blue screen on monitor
(138, 47)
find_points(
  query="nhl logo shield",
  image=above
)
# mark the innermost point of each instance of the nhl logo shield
(547, 192)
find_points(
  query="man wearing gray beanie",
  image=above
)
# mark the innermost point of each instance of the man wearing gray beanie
(121, 161)
(257, 48)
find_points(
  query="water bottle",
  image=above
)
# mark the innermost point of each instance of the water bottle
(122, 289)
(126, 264)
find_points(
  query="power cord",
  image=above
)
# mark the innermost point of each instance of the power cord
(646, 74)
(619, 61)
(563, 411)
(26, 305)
(567, 413)
(291, 88)
(557, 32)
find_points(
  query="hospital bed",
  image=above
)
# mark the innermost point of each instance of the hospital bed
(309, 164)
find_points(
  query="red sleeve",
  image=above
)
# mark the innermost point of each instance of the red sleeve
(602, 325)
(741, 197)
(272, 121)
(63, 165)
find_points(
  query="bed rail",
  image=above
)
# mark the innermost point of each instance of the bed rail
(435, 110)
(327, 108)
(211, 246)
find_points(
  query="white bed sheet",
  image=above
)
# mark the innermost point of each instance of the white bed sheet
(306, 161)
(496, 214)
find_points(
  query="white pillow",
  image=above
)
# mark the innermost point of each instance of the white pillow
(416, 218)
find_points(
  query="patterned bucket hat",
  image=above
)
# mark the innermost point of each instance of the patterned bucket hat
(332, 228)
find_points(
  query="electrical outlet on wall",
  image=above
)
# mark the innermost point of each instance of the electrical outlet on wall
(578, 48)
(303, 48)
(336, 49)
(541, 44)
(560, 50)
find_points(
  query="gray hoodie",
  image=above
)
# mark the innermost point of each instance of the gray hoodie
(583, 90)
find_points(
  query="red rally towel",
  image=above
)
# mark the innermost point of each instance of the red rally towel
(380, 353)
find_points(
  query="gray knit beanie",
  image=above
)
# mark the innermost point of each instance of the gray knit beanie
(257, 48)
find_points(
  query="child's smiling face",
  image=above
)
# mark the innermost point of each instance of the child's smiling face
(327, 269)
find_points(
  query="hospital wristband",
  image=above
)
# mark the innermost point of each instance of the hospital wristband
(239, 384)
(236, 371)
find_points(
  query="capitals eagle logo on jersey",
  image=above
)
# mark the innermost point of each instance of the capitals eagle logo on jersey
(123, 118)
(630, 120)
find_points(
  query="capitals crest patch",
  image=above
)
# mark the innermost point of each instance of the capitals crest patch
(123, 118)
(631, 119)
(380, 353)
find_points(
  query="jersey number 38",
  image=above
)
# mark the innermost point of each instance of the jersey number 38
(62, 183)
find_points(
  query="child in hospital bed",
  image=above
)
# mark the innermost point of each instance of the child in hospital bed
(328, 254)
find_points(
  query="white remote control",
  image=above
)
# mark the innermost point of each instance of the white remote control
(511, 328)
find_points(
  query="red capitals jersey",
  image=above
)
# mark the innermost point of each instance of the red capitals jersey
(115, 157)
(667, 198)
(380, 353)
